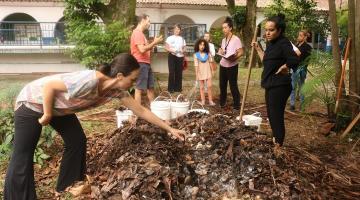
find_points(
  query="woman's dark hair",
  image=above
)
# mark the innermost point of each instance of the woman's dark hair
(123, 63)
(177, 26)
(279, 22)
(198, 42)
(229, 22)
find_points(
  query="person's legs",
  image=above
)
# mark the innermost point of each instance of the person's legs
(223, 79)
(202, 92)
(178, 74)
(19, 181)
(293, 91)
(276, 102)
(233, 75)
(142, 81)
(73, 162)
(209, 91)
(150, 85)
(171, 66)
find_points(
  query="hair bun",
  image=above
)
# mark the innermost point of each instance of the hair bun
(281, 16)
(228, 19)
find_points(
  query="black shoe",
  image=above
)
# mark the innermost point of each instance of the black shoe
(292, 108)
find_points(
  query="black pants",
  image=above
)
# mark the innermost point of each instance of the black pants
(229, 74)
(19, 182)
(175, 65)
(276, 99)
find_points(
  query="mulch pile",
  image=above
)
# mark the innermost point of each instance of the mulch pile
(219, 160)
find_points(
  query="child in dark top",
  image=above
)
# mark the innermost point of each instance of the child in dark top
(278, 58)
(298, 77)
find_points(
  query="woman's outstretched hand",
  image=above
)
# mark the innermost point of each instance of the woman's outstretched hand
(177, 134)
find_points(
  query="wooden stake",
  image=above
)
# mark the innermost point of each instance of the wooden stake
(351, 125)
(342, 78)
(248, 74)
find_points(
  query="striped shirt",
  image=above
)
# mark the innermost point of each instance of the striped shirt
(82, 93)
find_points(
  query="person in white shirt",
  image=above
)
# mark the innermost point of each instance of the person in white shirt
(176, 46)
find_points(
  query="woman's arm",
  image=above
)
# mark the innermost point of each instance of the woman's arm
(259, 51)
(151, 117)
(48, 93)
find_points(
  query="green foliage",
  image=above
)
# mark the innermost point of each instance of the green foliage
(342, 21)
(299, 14)
(95, 43)
(321, 86)
(6, 132)
(7, 127)
(239, 17)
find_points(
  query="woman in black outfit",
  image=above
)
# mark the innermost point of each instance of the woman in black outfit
(276, 79)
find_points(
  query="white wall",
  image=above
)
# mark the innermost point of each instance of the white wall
(36, 63)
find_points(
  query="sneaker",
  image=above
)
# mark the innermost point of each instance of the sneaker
(292, 108)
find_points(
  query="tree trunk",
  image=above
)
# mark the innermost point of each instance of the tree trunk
(335, 41)
(116, 10)
(231, 6)
(352, 58)
(249, 28)
(357, 48)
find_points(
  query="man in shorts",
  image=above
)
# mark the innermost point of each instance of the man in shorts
(140, 49)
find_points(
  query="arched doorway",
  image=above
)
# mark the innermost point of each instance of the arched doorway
(218, 23)
(190, 31)
(20, 29)
(59, 32)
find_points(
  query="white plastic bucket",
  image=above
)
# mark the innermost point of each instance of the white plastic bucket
(123, 116)
(252, 120)
(202, 110)
(179, 108)
(161, 108)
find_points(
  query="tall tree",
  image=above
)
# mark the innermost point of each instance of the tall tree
(357, 48)
(97, 43)
(335, 40)
(353, 87)
(108, 11)
(249, 27)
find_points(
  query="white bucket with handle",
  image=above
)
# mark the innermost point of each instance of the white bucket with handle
(253, 119)
(200, 110)
(123, 116)
(179, 108)
(161, 107)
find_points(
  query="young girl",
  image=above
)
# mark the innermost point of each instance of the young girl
(54, 100)
(203, 70)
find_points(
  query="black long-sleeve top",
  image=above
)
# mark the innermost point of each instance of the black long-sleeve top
(278, 52)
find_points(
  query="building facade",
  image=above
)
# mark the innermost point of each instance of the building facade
(32, 37)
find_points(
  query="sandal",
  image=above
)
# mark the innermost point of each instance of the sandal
(212, 103)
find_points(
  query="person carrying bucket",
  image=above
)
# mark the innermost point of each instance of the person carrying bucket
(54, 100)
(203, 69)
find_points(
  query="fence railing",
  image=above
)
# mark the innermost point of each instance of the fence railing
(25, 33)
(32, 33)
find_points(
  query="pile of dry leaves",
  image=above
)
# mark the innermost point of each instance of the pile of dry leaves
(218, 160)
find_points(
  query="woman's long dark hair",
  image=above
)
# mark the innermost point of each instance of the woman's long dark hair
(198, 42)
(123, 63)
(279, 22)
(229, 22)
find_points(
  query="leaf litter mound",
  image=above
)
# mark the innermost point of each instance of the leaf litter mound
(218, 160)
